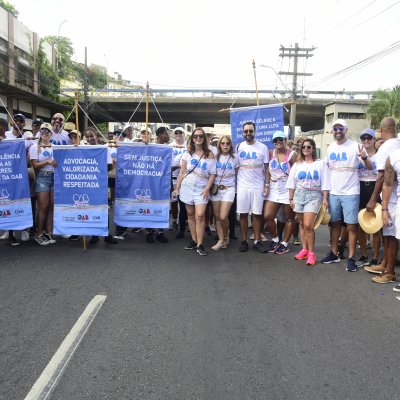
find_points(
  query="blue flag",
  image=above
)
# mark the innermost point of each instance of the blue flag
(15, 198)
(142, 186)
(80, 190)
(268, 119)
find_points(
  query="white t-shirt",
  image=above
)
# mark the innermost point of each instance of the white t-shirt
(368, 175)
(309, 176)
(28, 142)
(225, 167)
(279, 171)
(343, 160)
(178, 152)
(201, 169)
(395, 161)
(213, 149)
(388, 147)
(61, 138)
(251, 159)
(42, 154)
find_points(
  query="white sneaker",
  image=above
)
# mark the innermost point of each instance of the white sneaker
(4, 236)
(24, 236)
(65, 236)
(119, 237)
(264, 238)
(42, 240)
(49, 238)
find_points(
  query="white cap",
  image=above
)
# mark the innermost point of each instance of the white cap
(340, 122)
(179, 128)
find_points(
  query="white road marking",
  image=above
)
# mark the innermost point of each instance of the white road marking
(54, 369)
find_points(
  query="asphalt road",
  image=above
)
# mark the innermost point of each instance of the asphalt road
(179, 326)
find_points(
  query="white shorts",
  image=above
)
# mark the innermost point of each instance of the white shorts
(396, 223)
(192, 195)
(279, 195)
(227, 195)
(391, 230)
(250, 200)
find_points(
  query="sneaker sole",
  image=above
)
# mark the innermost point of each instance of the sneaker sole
(281, 252)
(14, 244)
(373, 272)
(384, 282)
(311, 263)
(300, 259)
(395, 289)
(330, 262)
(351, 270)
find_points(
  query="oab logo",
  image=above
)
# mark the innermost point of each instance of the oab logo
(143, 194)
(80, 199)
(247, 155)
(5, 213)
(83, 217)
(4, 195)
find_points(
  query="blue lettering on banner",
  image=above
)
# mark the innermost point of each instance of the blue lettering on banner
(268, 120)
(15, 199)
(142, 186)
(80, 191)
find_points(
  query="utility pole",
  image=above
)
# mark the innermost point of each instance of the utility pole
(295, 52)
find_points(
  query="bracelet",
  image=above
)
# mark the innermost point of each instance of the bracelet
(364, 158)
(385, 209)
(290, 199)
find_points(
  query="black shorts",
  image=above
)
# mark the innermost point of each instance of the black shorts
(366, 190)
(111, 182)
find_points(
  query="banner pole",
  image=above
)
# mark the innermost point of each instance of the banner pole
(147, 112)
(255, 80)
(78, 142)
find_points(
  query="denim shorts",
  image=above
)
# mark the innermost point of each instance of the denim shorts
(344, 208)
(44, 182)
(192, 195)
(307, 201)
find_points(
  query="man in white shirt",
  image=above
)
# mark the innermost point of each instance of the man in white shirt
(128, 133)
(343, 158)
(58, 135)
(253, 174)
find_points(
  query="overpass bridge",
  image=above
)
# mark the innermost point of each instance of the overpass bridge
(202, 106)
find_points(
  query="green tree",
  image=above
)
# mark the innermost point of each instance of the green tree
(97, 76)
(49, 82)
(384, 103)
(64, 53)
(9, 8)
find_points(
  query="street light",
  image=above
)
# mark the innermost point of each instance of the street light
(58, 45)
(273, 69)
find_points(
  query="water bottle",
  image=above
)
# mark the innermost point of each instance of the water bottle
(174, 196)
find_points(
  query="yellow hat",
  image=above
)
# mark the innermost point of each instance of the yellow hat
(69, 126)
(371, 222)
(323, 217)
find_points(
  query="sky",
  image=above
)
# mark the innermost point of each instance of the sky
(211, 43)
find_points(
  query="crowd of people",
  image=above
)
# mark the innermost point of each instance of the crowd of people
(279, 191)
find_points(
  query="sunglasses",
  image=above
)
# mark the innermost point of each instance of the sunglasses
(178, 133)
(58, 119)
(307, 147)
(19, 120)
(366, 137)
(198, 136)
(225, 143)
(339, 128)
(45, 131)
(278, 139)
(249, 131)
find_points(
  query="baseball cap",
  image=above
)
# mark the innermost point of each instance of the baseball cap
(37, 121)
(74, 131)
(179, 128)
(144, 130)
(47, 126)
(19, 115)
(340, 122)
(368, 131)
(279, 134)
(69, 126)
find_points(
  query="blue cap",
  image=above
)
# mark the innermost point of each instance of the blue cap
(279, 134)
(368, 131)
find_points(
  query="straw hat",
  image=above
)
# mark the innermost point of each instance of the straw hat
(371, 222)
(323, 217)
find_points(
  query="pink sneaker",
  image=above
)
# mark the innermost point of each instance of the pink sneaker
(301, 255)
(311, 259)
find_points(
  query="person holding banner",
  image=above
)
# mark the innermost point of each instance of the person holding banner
(41, 155)
(193, 186)
(252, 185)
(282, 159)
(225, 179)
(59, 135)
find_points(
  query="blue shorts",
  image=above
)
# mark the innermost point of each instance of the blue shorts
(344, 208)
(306, 201)
(44, 182)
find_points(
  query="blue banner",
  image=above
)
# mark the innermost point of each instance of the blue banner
(142, 186)
(15, 198)
(268, 119)
(80, 190)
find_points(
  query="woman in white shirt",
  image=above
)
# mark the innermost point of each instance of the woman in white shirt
(225, 179)
(195, 178)
(309, 186)
(41, 155)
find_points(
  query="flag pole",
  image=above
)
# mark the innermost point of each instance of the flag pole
(78, 142)
(255, 80)
(147, 112)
